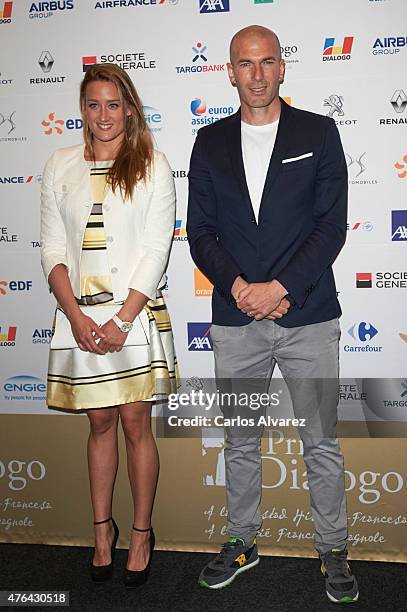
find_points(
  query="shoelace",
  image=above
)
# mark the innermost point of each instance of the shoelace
(225, 550)
(336, 564)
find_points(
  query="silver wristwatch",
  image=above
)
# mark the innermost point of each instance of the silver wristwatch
(124, 326)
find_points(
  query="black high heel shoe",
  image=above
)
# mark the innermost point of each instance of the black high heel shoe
(101, 573)
(133, 579)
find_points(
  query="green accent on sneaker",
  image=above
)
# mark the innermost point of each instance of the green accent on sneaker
(336, 549)
(202, 583)
(346, 599)
(233, 540)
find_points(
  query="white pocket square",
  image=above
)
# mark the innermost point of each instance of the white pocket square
(294, 159)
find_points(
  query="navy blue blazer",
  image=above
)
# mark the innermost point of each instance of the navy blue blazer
(302, 218)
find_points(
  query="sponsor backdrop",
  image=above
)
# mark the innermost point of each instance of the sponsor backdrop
(346, 61)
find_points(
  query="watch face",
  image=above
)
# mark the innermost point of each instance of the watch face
(126, 327)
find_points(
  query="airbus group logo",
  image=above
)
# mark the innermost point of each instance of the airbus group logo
(389, 45)
(399, 225)
(200, 62)
(199, 338)
(362, 332)
(333, 52)
(335, 110)
(214, 6)
(43, 10)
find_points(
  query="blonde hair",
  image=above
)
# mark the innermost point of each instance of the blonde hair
(135, 156)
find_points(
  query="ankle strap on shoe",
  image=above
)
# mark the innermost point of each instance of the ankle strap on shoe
(142, 530)
(101, 522)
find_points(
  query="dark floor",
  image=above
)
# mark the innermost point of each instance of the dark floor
(276, 584)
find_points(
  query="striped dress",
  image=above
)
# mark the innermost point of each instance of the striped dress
(79, 380)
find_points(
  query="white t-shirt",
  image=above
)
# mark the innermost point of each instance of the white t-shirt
(257, 148)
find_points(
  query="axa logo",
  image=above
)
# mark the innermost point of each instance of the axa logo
(337, 52)
(15, 285)
(399, 225)
(6, 12)
(214, 6)
(199, 338)
(56, 126)
(401, 167)
(363, 331)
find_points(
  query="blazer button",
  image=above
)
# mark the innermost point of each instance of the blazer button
(252, 220)
(114, 270)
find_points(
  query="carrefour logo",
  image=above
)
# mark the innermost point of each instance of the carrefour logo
(362, 332)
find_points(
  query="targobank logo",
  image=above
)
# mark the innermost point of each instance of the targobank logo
(389, 45)
(42, 10)
(199, 61)
(362, 332)
(205, 115)
(214, 6)
(153, 117)
(199, 338)
(24, 388)
(399, 225)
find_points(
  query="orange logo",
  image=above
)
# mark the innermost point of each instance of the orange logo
(287, 99)
(202, 285)
(52, 124)
(402, 167)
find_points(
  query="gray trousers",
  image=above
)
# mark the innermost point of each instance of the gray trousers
(308, 358)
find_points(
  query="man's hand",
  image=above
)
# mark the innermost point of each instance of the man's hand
(260, 300)
(237, 286)
(280, 311)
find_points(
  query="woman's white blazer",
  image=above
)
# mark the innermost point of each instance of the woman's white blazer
(138, 232)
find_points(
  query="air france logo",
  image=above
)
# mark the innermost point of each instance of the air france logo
(199, 338)
(399, 225)
(214, 6)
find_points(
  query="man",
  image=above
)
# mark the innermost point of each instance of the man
(266, 219)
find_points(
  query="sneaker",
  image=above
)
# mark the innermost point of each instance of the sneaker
(235, 557)
(341, 585)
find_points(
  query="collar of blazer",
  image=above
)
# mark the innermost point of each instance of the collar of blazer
(280, 147)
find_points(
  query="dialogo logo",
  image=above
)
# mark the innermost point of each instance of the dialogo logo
(333, 52)
(8, 336)
(203, 286)
(6, 12)
(180, 232)
(199, 338)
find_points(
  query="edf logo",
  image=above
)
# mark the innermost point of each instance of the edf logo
(362, 331)
(199, 338)
(212, 6)
(399, 225)
(18, 285)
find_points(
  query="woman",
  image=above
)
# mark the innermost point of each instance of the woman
(107, 220)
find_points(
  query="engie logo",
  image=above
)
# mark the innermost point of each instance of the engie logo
(153, 117)
(8, 336)
(199, 338)
(399, 225)
(362, 332)
(214, 6)
(203, 286)
(42, 10)
(180, 233)
(19, 472)
(389, 45)
(56, 126)
(18, 285)
(6, 12)
(205, 115)
(333, 52)
(24, 388)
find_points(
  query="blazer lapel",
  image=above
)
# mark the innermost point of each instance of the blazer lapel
(234, 142)
(280, 147)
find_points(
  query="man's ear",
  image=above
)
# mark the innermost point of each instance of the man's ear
(231, 74)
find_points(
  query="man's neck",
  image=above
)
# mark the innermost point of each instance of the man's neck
(261, 116)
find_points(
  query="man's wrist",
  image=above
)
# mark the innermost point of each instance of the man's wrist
(238, 285)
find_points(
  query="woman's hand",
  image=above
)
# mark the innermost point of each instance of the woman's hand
(113, 338)
(86, 332)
